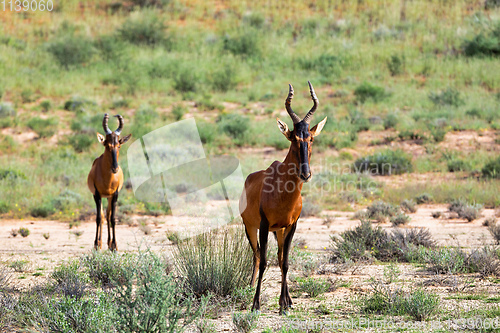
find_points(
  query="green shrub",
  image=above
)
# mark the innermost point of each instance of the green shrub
(386, 162)
(419, 304)
(144, 119)
(399, 219)
(450, 96)
(486, 43)
(408, 206)
(411, 135)
(423, 198)
(12, 174)
(25, 232)
(223, 78)
(110, 48)
(217, 262)
(46, 105)
(70, 280)
(178, 111)
(309, 208)
(144, 28)
(4, 207)
(234, 125)
(77, 103)
(326, 64)
(492, 169)
(456, 165)
(381, 211)
(6, 110)
(245, 43)
(19, 265)
(367, 91)
(396, 64)
(465, 210)
(81, 142)
(391, 121)
(245, 322)
(43, 312)
(43, 127)
(66, 200)
(148, 299)
(313, 287)
(185, 80)
(43, 210)
(106, 268)
(494, 230)
(70, 50)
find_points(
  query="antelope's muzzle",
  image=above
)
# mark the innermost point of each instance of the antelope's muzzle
(305, 171)
(114, 166)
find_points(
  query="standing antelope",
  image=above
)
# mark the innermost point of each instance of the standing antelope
(105, 179)
(273, 200)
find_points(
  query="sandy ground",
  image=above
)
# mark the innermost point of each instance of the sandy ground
(43, 254)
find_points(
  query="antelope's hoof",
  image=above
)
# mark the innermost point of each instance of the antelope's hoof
(284, 312)
(256, 307)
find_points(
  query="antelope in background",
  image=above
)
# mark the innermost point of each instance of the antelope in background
(273, 199)
(105, 179)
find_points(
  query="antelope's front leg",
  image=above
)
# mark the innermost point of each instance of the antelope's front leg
(112, 243)
(263, 234)
(98, 203)
(285, 300)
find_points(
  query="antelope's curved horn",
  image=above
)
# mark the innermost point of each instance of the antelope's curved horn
(288, 106)
(307, 118)
(120, 124)
(105, 124)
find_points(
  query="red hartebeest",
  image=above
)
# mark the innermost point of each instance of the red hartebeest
(273, 200)
(105, 179)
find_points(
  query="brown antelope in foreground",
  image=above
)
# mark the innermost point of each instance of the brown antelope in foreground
(105, 179)
(273, 200)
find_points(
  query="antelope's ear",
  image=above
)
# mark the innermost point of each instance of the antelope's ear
(125, 139)
(283, 128)
(317, 129)
(100, 137)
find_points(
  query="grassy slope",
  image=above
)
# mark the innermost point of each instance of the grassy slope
(215, 52)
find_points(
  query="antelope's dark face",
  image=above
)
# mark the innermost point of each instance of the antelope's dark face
(112, 141)
(301, 137)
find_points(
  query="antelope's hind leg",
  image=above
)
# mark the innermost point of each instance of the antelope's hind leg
(285, 299)
(263, 235)
(252, 238)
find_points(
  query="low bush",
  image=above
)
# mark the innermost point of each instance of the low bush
(70, 280)
(486, 43)
(494, 230)
(178, 111)
(6, 110)
(81, 142)
(386, 162)
(418, 304)
(309, 208)
(245, 322)
(327, 64)
(492, 169)
(312, 287)
(381, 211)
(71, 50)
(244, 43)
(233, 125)
(408, 206)
(79, 104)
(391, 121)
(106, 268)
(456, 165)
(25, 232)
(148, 299)
(44, 210)
(450, 96)
(367, 91)
(400, 219)
(144, 28)
(43, 127)
(216, 262)
(424, 198)
(396, 64)
(464, 210)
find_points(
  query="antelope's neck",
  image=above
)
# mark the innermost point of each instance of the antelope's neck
(107, 160)
(290, 167)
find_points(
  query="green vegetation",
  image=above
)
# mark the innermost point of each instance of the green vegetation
(388, 162)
